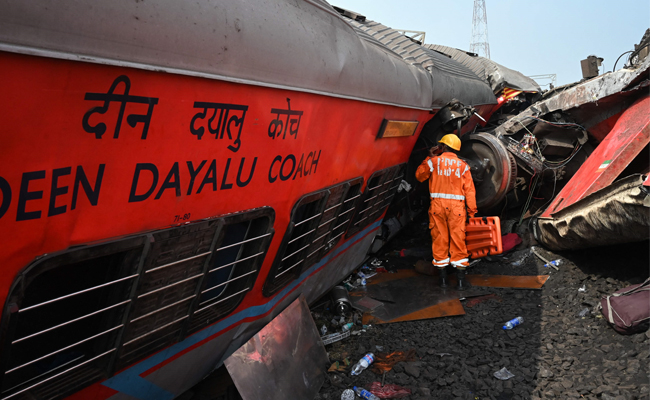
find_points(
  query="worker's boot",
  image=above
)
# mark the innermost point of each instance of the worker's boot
(462, 282)
(443, 276)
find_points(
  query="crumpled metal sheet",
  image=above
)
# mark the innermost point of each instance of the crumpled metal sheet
(620, 213)
(593, 91)
(450, 79)
(285, 360)
(495, 74)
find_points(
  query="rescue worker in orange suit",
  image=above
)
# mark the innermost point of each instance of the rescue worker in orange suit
(453, 198)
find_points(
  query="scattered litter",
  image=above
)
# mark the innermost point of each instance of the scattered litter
(471, 263)
(339, 366)
(443, 354)
(379, 348)
(513, 322)
(583, 289)
(547, 263)
(503, 374)
(334, 337)
(375, 262)
(347, 326)
(520, 257)
(584, 312)
(364, 394)
(386, 362)
(348, 394)
(389, 391)
(334, 322)
(363, 364)
(323, 330)
(357, 333)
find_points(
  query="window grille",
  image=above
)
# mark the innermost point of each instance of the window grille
(233, 269)
(334, 221)
(63, 318)
(382, 187)
(74, 317)
(309, 234)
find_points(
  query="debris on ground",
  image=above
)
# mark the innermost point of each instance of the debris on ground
(503, 374)
(388, 391)
(559, 352)
(386, 361)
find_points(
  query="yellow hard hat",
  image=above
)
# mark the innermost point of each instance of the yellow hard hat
(451, 140)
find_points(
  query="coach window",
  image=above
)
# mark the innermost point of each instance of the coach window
(63, 318)
(309, 235)
(242, 243)
(379, 193)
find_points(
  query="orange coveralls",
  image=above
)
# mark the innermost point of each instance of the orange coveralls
(452, 190)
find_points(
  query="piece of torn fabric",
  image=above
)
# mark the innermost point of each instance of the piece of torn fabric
(388, 391)
(384, 362)
(509, 241)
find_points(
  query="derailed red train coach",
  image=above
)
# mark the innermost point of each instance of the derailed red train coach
(172, 175)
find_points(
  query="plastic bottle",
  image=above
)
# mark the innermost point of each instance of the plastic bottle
(347, 326)
(513, 322)
(364, 394)
(362, 276)
(363, 363)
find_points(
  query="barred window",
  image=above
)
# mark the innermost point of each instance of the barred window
(74, 317)
(310, 234)
(382, 187)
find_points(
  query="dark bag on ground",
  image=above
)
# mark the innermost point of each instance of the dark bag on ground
(628, 309)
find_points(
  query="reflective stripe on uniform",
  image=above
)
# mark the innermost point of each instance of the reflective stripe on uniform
(430, 165)
(441, 263)
(447, 196)
(460, 263)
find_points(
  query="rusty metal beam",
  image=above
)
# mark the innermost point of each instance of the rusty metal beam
(444, 309)
(507, 281)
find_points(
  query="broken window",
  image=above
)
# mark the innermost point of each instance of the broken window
(75, 317)
(310, 234)
(382, 187)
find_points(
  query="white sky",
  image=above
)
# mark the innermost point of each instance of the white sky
(533, 37)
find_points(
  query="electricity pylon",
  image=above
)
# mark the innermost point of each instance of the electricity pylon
(480, 30)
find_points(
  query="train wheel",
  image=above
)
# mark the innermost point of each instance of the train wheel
(494, 169)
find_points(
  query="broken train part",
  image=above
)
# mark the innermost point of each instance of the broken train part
(573, 143)
(514, 91)
(619, 213)
(285, 359)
